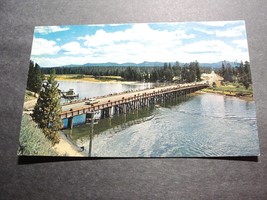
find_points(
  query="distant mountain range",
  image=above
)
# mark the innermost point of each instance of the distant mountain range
(144, 64)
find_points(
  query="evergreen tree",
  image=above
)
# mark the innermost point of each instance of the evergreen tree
(167, 72)
(246, 77)
(192, 72)
(177, 69)
(185, 74)
(247, 71)
(30, 76)
(198, 73)
(46, 111)
(37, 79)
(228, 73)
(154, 75)
(223, 69)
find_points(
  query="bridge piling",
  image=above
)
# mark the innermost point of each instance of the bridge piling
(125, 104)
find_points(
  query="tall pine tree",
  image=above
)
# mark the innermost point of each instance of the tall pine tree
(46, 111)
(35, 77)
(198, 73)
(30, 76)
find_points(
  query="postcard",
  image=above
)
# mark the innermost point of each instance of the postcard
(140, 90)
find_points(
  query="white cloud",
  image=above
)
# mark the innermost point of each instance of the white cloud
(42, 46)
(49, 29)
(203, 51)
(142, 43)
(230, 32)
(59, 61)
(139, 33)
(233, 32)
(206, 46)
(102, 25)
(211, 51)
(136, 44)
(209, 32)
(96, 25)
(74, 48)
(219, 23)
(241, 43)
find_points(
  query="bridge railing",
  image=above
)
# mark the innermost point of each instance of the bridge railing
(92, 108)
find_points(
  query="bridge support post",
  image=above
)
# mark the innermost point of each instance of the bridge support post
(124, 108)
(70, 122)
(91, 135)
(110, 112)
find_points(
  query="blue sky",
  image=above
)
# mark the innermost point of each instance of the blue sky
(165, 42)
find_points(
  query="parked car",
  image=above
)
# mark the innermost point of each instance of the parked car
(91, 101)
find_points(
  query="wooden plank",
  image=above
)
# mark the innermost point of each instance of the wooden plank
(138, 97)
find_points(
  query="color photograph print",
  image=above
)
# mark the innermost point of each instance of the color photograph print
(140, 90)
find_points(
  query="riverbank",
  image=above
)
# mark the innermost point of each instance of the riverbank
(30, 100)
(90, 78)
(66, 148)
(247, 97)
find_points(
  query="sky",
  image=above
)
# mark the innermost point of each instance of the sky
(206, 42)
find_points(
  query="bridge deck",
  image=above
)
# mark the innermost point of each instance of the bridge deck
(114, 100)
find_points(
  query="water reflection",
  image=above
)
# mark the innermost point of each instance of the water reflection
(94, 89)
(200, 125)
(118, 123)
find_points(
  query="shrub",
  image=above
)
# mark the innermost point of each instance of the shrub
(32, 140)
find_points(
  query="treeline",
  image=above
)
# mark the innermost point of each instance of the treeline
(168, 72)
(35, 77)
(86, 70)
(240, 73)
(47, 109)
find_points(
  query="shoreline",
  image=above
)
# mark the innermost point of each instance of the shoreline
(245, 97)
(66, 147)
(96, 81)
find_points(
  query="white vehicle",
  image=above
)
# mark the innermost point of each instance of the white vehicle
(91, 101)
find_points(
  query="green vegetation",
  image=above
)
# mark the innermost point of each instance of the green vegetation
(80, 76)
(191, 72)
(35, 78)
(239, 74)
(29, 96)
(232, 89)
(47, 109)
(168, 72)
(109, 78)
(32, 141)
(236, 81)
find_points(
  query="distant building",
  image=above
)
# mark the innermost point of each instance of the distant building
(212, 78)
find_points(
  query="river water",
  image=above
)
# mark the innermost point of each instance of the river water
(94, 89)
(199, 125)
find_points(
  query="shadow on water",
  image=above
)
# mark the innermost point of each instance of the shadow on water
(82, 133)
(123, 122)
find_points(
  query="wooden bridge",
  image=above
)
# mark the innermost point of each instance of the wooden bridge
(125, 102)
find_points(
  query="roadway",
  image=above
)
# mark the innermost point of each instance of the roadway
(117, 97)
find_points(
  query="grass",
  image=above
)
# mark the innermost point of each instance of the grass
(109, 78)
(32, 141)
(29, 96)
(232, 89)
(89, 78)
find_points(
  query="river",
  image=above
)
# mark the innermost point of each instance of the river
(94, 89)
(199, 125)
